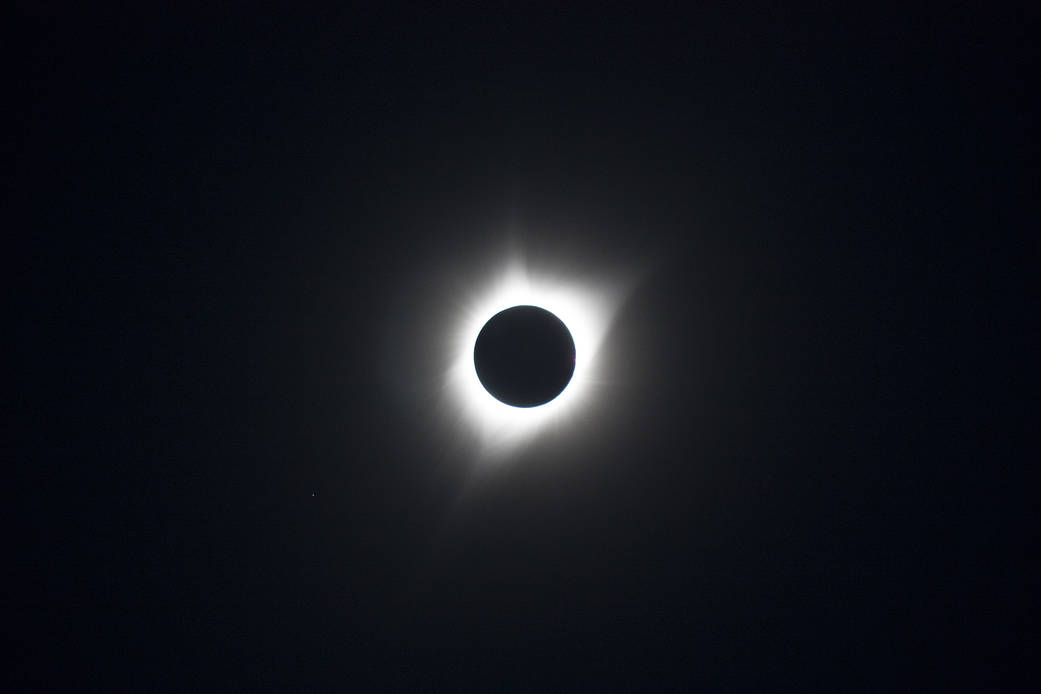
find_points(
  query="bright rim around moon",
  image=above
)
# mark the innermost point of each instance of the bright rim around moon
(585, 309)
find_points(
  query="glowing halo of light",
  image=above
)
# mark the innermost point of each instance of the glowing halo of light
(585, 309)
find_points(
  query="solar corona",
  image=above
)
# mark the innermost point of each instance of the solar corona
(524, 356)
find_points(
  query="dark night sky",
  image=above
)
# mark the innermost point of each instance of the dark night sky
(228, 238)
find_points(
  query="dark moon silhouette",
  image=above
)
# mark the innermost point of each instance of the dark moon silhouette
(524, 356)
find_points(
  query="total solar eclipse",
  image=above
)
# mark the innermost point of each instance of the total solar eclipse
(524, 356)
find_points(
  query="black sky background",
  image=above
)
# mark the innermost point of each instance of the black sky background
(227, 232)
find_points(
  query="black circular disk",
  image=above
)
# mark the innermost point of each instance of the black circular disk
(524, 356)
